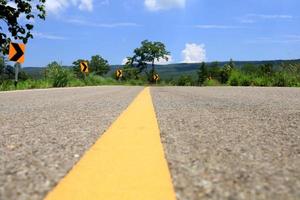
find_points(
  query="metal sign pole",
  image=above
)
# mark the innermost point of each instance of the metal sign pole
(17, 68)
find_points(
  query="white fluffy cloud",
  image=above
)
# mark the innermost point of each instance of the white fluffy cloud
(194, 53)
(164, 61)
(56, 6)
(155, 5)
(124, 61)
(157, 62)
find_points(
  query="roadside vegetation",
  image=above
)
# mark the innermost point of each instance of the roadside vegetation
(140, 68)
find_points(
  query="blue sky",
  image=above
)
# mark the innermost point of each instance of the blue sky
(193, 30)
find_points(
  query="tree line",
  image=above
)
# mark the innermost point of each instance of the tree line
(140, 68)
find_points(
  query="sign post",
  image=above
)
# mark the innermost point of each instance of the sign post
(84, 67)
(16, 54)
(17, 69)
(119, 74)
(156, 78)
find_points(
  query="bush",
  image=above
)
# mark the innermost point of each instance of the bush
(7, 85)
(75, 82)
(94, 80)
(59, 76)
(234, 79)
(185, 80)
(135, 82)
(262, 81)
(245, 80)
(211, 82)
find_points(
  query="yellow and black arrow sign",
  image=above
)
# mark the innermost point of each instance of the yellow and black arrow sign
(119, 73)
(84, 67)
(16, 52)
(156, 77)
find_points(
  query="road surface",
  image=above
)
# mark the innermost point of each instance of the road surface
(45, 132)
(231, 143)
(220, 142)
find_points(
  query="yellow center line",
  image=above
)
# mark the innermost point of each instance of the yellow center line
(126, 163)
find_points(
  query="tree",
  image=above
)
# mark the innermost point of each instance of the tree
(99, 65)
(185, 80)
(267, 69)
(226, 71)
(231, 64)
(130, 72)
(148, 53)
(249, 68)
(214, 71)
(202, 73)
(10, 13)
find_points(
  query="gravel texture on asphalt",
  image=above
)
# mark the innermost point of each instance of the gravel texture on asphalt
(231, 143)
(43, 133)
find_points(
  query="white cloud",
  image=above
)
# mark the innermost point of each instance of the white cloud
(284, 39)
(252, 18)
(124, 61)
(55, 6)
(194, 53)
(154, 5)
(213, 26)
(164, 61)
(86, 5)
(47, 36)
(101, 25)
(262, 16)
(157, 62)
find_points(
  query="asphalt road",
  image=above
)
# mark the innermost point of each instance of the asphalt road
(231, 143)
(220, 143)
(44, 132)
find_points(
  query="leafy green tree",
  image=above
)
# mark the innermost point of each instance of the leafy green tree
(99, 65)
(226, 71)
(249, 68)
(267, 69)
(19, 29)
(214, 71)
(130, 72)
(148, 53)
(231, 64)
(202, 73)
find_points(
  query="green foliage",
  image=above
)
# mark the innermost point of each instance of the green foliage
(149, 52)
(211, 82)
(225, 73)
(262, 81)
(266, 69)
(11, 15)
(214, 71)
(6, 85)
(234, 79)
(185, 80)
(249, 68)
(135, 82)
(34, 84)
(93, 80)
(130, 72)
(59, 76)
(202, 73)
(99, 65)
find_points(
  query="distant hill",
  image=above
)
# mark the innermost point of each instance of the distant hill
(170, 70)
